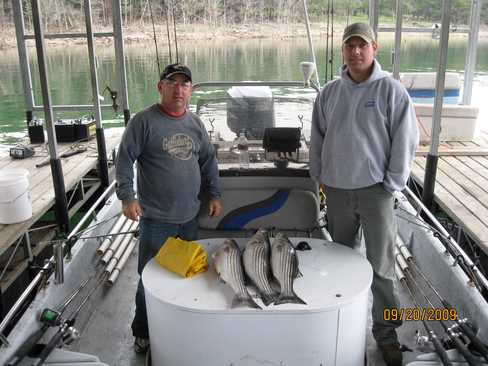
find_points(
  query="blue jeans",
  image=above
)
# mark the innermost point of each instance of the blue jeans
(153, 234)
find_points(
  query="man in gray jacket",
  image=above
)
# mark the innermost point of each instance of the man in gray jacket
(364, 137)
(174, 159)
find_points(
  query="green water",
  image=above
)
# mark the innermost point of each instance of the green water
(257, 59)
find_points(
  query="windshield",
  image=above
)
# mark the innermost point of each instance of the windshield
(229, 109)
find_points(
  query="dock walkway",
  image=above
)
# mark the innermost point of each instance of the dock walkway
(461, 188)
(75, 168)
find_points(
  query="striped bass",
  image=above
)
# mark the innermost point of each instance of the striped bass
(256, 265)
(284, 264)
(228, 264)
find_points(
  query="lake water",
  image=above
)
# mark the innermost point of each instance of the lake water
(257, 59)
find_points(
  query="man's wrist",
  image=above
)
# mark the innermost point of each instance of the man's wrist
(128, 201)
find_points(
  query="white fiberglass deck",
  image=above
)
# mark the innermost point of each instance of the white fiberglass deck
(195, 314)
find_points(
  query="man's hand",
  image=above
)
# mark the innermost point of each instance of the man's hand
(214, 207)
(132, 210)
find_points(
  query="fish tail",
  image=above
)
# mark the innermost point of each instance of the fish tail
(289, 299)
(268, 299)
(244, 301)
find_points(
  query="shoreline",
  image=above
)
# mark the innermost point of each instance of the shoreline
(199, 32)
(192, 32)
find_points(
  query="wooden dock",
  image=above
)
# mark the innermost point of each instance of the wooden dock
(461, 188)
(75, 170)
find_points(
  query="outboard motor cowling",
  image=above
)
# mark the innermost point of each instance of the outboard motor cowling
(250, 108)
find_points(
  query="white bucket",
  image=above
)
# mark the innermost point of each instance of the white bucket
(15, 200)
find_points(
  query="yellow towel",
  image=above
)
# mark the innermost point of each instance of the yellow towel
(186, 258)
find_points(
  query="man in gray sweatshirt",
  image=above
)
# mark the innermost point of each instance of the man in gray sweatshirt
(174, 160)
(364, 137)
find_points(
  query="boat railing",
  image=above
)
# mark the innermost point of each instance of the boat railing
(249, 83)
(53, 262)
(421, 208)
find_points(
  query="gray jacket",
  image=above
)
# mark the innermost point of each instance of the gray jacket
(363, 133)
(173, 155)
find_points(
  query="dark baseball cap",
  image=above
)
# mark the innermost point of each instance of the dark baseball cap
(174, 69)
(361, 30)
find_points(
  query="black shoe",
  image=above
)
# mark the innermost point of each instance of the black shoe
(141, 345)
(391, 354)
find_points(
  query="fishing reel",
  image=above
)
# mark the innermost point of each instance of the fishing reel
(50, 317)
(422, 342)
(70, 335)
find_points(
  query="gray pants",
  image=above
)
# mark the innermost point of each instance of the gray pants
(370, 208)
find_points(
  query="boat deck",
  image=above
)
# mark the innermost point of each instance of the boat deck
(461, 184)
(75, 168)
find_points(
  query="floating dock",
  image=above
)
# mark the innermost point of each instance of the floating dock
(80, 181)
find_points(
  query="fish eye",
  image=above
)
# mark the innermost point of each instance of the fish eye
(303, 245)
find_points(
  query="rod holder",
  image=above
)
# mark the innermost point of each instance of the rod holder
(58, 263)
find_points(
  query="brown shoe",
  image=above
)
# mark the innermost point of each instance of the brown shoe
(391, 354)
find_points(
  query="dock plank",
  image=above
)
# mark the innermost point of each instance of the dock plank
(474, 165)
(474, 185)
(481, 160)
(455, 144)
(454, 151)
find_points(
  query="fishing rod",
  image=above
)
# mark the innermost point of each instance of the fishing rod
(470, 269)
(450, 244)
(66, 332)
(94, 226)
(327, 43)
(474, 273)
(331, 60)
(167, 33)
(174, 29)
(48, 318)
(135, 231)
(348, 12)
(11, 258)
(440, 350)
(329, 53)
(452, 247)
(154, 36)
(41, 276)
(453, 336)
(461, 322)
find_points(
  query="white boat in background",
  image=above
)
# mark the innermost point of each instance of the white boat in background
(421, 86)
(459, 122)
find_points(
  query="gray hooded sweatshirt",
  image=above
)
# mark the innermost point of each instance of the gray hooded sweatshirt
(173, 156)
(363, 133)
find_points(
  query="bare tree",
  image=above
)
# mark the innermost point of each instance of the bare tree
(65, 14)
(2, 14)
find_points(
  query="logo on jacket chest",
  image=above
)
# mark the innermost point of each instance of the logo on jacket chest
(179, 146)
(370, 104)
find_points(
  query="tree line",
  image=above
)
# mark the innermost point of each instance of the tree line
(68, 14)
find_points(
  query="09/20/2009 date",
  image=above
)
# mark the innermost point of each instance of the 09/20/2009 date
(416, 314)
